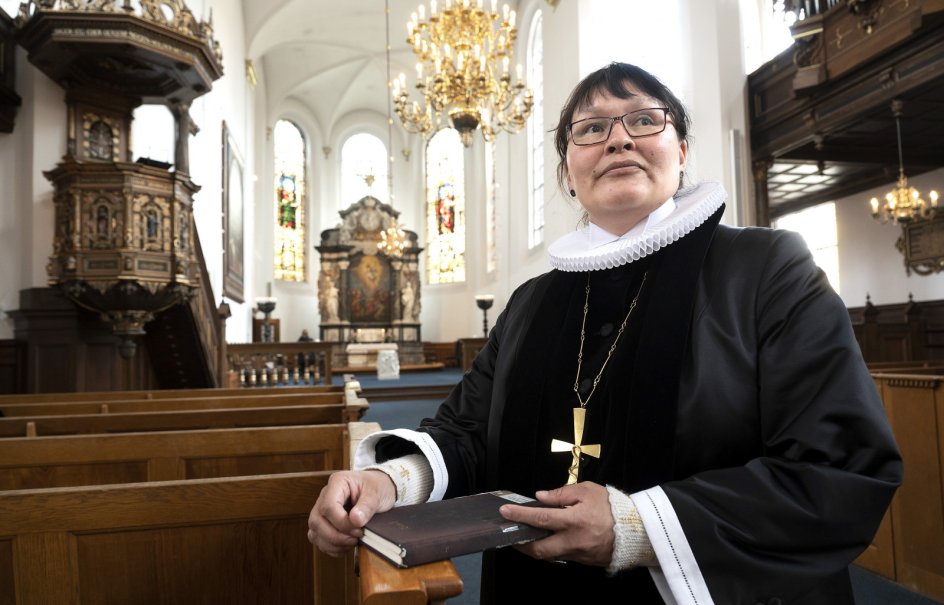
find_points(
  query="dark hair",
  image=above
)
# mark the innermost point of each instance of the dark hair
(613, 79)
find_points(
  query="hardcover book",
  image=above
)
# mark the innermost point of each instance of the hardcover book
(433, 531)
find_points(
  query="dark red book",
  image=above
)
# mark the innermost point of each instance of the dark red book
(433, 531)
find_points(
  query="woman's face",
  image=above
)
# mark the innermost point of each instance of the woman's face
(621, 180)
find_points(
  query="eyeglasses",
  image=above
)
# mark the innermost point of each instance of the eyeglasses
(639, 123)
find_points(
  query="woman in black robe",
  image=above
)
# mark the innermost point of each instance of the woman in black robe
(689, 394)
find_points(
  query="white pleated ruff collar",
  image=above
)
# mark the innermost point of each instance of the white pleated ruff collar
(593, 249)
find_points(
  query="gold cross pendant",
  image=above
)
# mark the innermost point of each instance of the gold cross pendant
(576, 448)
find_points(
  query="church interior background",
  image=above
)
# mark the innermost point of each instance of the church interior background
(302, 104)
(229, 179)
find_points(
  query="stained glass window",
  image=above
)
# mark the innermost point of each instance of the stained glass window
(363, 169)
(491, 213)
(536, 134)
(290, 195)
(445, 208)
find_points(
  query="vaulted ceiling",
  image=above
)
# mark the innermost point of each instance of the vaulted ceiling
(329, 55)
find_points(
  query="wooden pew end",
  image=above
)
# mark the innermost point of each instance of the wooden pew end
(384, 584)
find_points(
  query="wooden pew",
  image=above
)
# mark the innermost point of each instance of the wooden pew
(329, 580)
(164, 553)
(174, 420)
(384, 584)
(276, 399)
(163, 394)
(238, 540)
(907, 367)
(45, 462)
(907, 548)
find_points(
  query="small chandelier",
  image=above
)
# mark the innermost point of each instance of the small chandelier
(392, 240)
(464, 56)
(904, 203)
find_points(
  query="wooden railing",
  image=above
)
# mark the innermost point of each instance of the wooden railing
(280, 363)
(809, 8)
(210, 325)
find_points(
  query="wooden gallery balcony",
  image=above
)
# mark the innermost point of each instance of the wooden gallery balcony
(820, 112)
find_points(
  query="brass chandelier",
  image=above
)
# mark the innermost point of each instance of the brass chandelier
(464, 53)
(904, 203)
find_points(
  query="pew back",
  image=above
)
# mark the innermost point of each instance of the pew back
(907, 548)
(136, 422)
(66, 407)
(45, 462)
(235, 540)
(161, 394)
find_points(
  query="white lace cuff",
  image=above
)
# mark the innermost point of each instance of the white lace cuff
(412, 475)
(631, 546)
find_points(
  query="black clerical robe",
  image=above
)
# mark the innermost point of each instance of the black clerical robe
(740, 390)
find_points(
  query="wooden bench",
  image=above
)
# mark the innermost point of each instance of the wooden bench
(162, 394)
(382, 583)
(907, 547)
(237, 540)
(43, 462)
(174, 420)
(231, 539)
(61, 408)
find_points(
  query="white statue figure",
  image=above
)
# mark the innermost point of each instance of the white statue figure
(331, 303)
(407, 299)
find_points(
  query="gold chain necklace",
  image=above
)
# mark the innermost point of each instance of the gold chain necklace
(583, 325)
(577, 447)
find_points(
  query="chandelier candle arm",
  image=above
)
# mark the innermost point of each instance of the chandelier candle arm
(464, 55)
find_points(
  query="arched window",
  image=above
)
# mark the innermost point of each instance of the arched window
(291, 192)
(445, 208)
(363, 169)
(536, 134)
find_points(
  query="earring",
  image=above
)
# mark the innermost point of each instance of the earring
(573, 193)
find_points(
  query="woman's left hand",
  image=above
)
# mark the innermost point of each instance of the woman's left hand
(583, 531)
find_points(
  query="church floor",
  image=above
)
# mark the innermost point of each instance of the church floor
(870, 589)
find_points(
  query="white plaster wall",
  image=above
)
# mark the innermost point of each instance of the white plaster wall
(714, 93)
(564, 41)
(230, 100)
(869, 263)
(36, 144)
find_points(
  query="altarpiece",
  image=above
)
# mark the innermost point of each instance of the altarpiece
(364, 294)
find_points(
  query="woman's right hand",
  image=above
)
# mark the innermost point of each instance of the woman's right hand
(345, 505)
